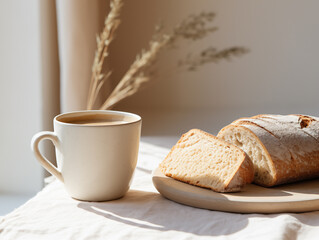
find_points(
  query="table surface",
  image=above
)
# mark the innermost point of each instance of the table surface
(144, 214)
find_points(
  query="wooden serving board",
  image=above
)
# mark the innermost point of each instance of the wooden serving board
(297, 197)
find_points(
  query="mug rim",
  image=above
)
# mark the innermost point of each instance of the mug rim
(112, 112)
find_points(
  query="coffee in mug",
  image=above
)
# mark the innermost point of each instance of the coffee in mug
(96, 152)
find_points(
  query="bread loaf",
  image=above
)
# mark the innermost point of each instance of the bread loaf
(203, 160)
(283, 148)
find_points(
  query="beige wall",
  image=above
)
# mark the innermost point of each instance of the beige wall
(279, 73)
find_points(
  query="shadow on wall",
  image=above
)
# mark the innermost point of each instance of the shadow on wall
(282, 53)
(139, 19)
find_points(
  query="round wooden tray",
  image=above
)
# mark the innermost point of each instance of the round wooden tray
(297, 197)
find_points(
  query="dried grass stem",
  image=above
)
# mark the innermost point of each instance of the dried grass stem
(193, 28)
(111, 23)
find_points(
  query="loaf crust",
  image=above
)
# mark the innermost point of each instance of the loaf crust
(194, 160)
(289, 143)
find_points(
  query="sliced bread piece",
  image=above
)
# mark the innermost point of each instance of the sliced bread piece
(202, 159)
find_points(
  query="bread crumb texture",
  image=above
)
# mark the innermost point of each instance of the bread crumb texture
(201, 159)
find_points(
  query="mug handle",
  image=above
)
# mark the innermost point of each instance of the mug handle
(44, 162)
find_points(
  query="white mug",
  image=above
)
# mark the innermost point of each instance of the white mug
(96, 152)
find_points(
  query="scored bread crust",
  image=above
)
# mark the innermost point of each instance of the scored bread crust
(242, 174)
(291, 143)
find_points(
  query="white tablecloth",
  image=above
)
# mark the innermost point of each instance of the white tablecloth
(144, 214)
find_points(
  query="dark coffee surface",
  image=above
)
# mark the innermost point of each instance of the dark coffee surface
(96, 119)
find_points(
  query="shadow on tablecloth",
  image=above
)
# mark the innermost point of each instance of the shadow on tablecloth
(150, 210)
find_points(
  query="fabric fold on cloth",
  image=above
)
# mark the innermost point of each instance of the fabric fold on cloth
(144, 214)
